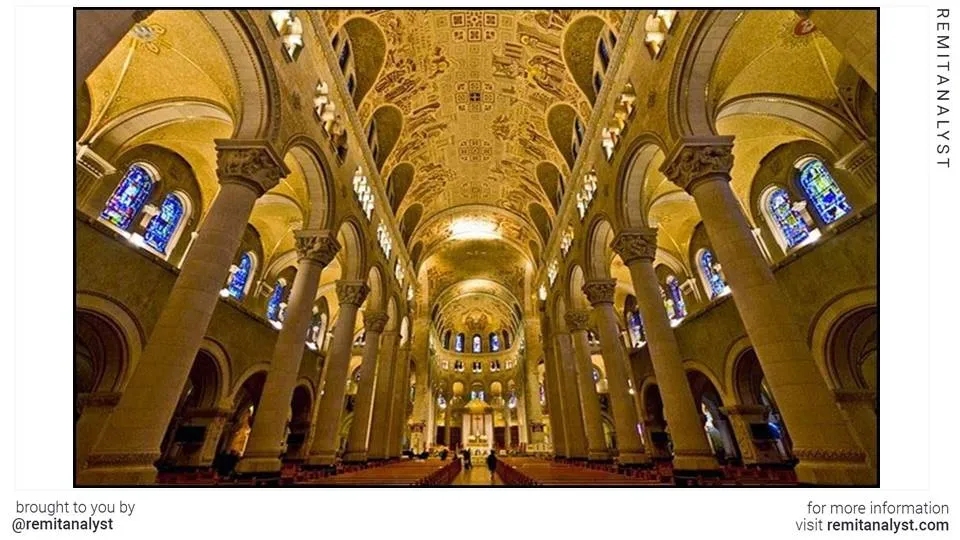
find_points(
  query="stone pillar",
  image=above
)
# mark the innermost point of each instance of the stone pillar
(828, 452)
(131, 440)
(356, 451)
(379, 423)
(554, 399)
(858, 407)
(97, 32)
(533, 339)
(508, 440)
(323, 451)
(600, 294)
(267, 439)
(96, 408)
(573, 428)
(424, 398)
(446, 424)
(400, 392)
(638, 248)
(577, 321)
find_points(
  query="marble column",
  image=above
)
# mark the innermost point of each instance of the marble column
(323, 451)
(399, 398)
(828, 452)
(508, 440)
(267, 439)
(638, 248)
(629, 445)
(379, 423)
(573, 428)
(577, 321)
(356, 451)
(554, 400)
(97, 32)
(533, 340)
(424, 399)
(96, 408)
(130, 442)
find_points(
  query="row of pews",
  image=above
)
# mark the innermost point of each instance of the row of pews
(430, 472)
(529, 471)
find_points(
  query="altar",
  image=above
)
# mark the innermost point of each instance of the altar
(477, 432)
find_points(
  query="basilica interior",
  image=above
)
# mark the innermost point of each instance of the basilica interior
(608, 247)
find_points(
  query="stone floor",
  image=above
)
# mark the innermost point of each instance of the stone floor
(476, 476)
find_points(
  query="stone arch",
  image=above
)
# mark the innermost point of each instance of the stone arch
(410, 220)
(405, 330)
(415, 254)
(576, 280)
(560, 122)
(822, 334)
(376, 298)
(541, 220)
(119, 320)
(597, 248)
(631, 180)
(579, 48)
(389, 125)
(399, 181)
(551, 181)
(690, 111)
(352, 255)
(710, 402)
(368, 60)
(319, 176)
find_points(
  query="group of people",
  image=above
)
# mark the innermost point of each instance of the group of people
(467, 457)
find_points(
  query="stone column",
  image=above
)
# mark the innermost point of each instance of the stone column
(96, 408)
(600, 294)
(446, 424)
(379, 422)
(356, 451)
(323, 451)
(532, 411)
(267, 439)
(131, 439)
(828, 452)
(573, 428)
(858, 406)
(424, 399)
(97, 32)
(577, 321)
(638, 248)
(554, 399)
(508, 440)
(400, 392)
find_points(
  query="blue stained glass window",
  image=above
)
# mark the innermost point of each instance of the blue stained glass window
(458, 346)
(711, 273)
(636, 328)
(238, 281)
(273, 305)
(494, 343)
(789, 220)
(477, 343)
(129, 197)
(679, 307)
(162, 226)
(823, 191)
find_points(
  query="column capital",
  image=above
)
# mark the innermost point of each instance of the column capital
(694, 159)
(375, 321)
(352, 292)
(319, 246)
(636, 244)
(577, 319)
(600, 291)
(252, 163)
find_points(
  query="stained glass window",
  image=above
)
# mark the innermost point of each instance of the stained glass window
(711, 274)
(676, 296)
(822, 190)
(162, 226)
(458, 346)
(789, 221)
(494, 343)
(636, 328)
(129, 197)
(238, 280)
(477, 343)
(273, 304)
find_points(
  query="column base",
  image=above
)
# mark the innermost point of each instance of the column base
(598, 455)
(825, 472)
(634, 459)
(694, 463)
(321, 460)
(119, 470)
(258, 465)
(355, 457)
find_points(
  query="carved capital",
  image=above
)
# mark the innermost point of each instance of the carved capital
(600, 291)
(252, 163)
(352, 292)
(577, 319)
(318, 246)
(634, 245)
(375, 321)
(699, 158)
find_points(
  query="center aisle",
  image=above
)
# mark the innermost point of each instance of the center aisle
(476, 476)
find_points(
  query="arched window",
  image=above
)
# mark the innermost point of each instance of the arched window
(477, 343)
(351, 84)
(344, 54)
(273, 304)
(163, 226)
(446, 340)
(822, 190)
(494, 342)
(711, 272)
(635, 325)
(787, 223)
(458, 346)
(128, 199)
(597, 82)
(506, 339)
(239, 280)
(675, 295)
